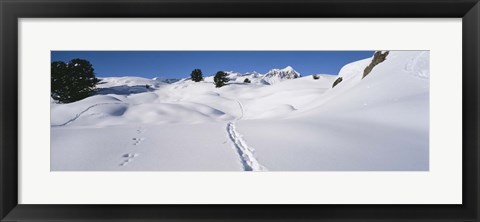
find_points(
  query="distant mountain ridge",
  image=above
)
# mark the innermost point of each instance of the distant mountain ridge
(271, 77)
(166, 80)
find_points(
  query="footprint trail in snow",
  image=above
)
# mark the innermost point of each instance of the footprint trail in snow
(250, 163)
(246, 153)
(137, 140)
(128, 157)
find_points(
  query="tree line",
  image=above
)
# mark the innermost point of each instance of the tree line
(220, 79)
(75, 80)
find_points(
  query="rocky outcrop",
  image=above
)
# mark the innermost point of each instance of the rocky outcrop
(337, 81)
(378, 57)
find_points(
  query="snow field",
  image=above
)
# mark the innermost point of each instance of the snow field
(380, 122)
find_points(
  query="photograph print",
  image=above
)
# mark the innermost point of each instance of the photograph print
(239, 110)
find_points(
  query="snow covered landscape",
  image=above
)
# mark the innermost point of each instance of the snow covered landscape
(281, 121)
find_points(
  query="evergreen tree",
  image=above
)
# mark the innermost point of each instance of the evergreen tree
(220, 79)
(72, 81)
(197, 75)
(59, 75)
(247, 80)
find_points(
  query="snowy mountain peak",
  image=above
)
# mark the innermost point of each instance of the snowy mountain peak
(285, 73)
(288, 68)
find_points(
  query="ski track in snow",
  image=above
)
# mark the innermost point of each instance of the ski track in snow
(409, 67)
(84, 111)
(242, 109)
(246, 153)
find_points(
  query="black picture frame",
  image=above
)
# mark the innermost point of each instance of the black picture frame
(12, 10)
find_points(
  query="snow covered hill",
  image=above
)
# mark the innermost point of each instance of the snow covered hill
(380, 122)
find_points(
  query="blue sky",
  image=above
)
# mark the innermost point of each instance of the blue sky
(179, 64)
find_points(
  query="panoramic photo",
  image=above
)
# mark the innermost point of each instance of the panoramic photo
(239, 110)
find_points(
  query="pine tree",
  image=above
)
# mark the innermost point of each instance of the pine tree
(247, 80)
(58, 78)
(197, 75)
(72, 81)
(220, 79)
